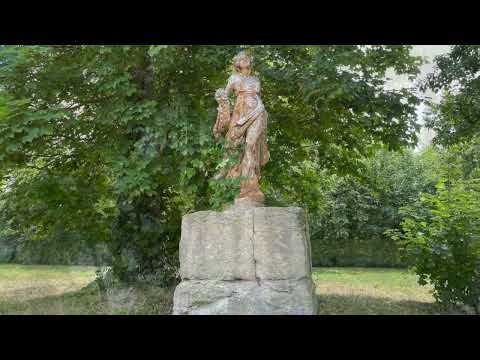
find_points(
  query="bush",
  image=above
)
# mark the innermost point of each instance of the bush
(350, 228)
(441, 241)
(144, 245)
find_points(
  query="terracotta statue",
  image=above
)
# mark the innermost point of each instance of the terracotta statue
(245, 127)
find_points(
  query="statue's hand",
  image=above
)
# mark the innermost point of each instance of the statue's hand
(223, 115)
(221, 95)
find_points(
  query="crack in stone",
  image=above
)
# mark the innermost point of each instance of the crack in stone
(253, 248)
(260, 294)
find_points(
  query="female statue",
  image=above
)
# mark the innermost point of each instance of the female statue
(246, 126)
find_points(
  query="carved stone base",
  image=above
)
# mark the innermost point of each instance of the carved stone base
(242, 297)
(245, 260)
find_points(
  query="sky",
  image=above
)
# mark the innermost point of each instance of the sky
(428, 52)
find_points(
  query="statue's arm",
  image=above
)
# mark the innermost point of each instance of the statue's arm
(230, 85)
(223, 115)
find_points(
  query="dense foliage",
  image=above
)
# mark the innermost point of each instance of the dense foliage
(353, 225)
(457, 78)
(441, 232)
(113, 144)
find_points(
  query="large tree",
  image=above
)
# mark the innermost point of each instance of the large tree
(114, 142)
(440, 233)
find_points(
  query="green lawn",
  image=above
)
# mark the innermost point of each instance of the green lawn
(373, 291)
(27, 289)
(33, 289)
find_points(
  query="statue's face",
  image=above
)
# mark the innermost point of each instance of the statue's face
(244, 63)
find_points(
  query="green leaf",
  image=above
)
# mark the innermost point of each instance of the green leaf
(31, 135)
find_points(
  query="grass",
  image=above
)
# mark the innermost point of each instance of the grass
(373, 291)
(69, 290)
(27, 289)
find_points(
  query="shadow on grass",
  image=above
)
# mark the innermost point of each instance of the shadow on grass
(135, 300)
(159, 302)
(153, 300)
(358, 270)
(334, 304)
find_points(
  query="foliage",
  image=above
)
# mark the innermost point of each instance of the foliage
(340, 237)
(113, 144)
(351, 229)
(457, 77)
(440, 236)
(35, 206)
(441, 233)
(7, 234)
(7, 243)
(441, 239)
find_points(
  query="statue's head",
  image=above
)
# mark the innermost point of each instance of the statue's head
(242, 60)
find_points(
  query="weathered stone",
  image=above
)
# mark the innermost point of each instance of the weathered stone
(246, 124)
(281, 244)
(265, 243)
(245, 260)
(217, 297)
(217, 245)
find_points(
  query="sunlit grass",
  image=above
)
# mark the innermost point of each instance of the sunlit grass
(27, 289)
(373, 291)
(20, 282)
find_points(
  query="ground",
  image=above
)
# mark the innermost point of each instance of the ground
(45, 289)
(27, 289)
(372, 291)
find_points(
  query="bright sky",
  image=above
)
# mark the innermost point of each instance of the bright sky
(428, 52)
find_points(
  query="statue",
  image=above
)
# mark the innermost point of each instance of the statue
(245, 127)
(248, 259)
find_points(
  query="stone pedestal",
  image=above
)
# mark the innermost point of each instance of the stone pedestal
(245, 260)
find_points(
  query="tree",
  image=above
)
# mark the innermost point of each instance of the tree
(353, 225)
(114, 142)
(441, 241)
(457, 77)
(441, 234)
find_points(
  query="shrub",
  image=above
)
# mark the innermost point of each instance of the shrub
(440, 239)
(350, 228)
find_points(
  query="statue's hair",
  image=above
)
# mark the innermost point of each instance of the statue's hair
(241, 55)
